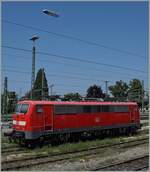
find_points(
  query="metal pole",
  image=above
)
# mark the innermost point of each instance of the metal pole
(42, 83)
(5, 94)
(51, 90)
(34, 38)
(51, 87)
(106, 82)
(3, 108)
(33, 71)
(5, 103)
(20, 93)
(142, 96)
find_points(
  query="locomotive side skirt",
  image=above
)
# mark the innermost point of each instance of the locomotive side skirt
(35, 135)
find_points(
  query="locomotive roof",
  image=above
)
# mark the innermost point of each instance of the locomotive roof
(77, 103)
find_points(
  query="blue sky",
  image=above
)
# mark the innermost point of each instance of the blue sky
(119, 25)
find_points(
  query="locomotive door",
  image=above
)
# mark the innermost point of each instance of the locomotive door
(133, 114)
(47, 117)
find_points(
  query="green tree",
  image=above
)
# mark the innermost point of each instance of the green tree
(12, 101)
(95, 91)
(146, 102)
(40, 89)
(119, 90)
(135, 90)
(54, 97)
(8, 105)
(3, 104)
(72, 97)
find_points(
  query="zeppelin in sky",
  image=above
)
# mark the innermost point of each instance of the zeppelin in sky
(51, 13)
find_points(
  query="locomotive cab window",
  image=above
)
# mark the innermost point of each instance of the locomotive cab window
(22, 108)
(17, 109)
(39, 109)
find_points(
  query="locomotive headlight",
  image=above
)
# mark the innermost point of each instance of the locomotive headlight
(14, 122)
(22, 123)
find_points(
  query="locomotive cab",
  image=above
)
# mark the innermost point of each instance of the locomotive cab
(31, 120)
(20, 120)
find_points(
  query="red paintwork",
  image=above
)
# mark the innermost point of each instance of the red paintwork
(96, 119)
(49, 121)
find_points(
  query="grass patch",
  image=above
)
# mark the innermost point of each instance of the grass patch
(4, 139)
(145, 124)
(81, 145)
(67, 147)
(5, 142)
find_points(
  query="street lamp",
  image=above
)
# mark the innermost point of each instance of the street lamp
(50, 13)
(34, 38)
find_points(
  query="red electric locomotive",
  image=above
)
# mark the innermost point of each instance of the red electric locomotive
(36, 120)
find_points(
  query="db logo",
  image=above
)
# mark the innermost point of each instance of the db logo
(97, 120)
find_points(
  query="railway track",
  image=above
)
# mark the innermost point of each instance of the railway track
(136, 164)
(51, 158)
(9, 146)
(13, 150)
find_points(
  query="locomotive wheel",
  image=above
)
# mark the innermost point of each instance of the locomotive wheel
(55, 141)
(30, 144)
(22, 142)
(52, 143)
(121, 131)
(41, 142)
(62, 138)
(67, 137)
(102, 134)
(117, 132)
(74, 137)
(133, 130)
(15, 140)
(128, 131)
(124, 131)
(111, 132)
